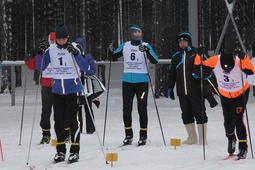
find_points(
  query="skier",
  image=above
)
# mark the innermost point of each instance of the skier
(81, 44)
(135, 80)
(46, 97)
(188, 89)
(234, 91)
(65, 60)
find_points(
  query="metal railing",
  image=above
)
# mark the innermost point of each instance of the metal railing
(12, 64)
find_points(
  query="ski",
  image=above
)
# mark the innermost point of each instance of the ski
(229, 157)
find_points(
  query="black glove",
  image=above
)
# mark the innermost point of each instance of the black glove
(143, 48)
(27, 57)
(72, 50)
(241, 54)
(42, 47)
(201, 51)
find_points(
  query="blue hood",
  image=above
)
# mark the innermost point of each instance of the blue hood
(83, 42)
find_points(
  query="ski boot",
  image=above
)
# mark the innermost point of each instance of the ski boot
(242, 154)
(142, 141)
(59, 157)
(74, 157)
(45, 140)
(231, 146)
(128, 140)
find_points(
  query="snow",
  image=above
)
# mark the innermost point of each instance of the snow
(150, 157)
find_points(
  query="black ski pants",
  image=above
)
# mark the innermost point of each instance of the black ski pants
(47, 102)
(191, 109)
(66, 106)
(129, 90)
(233, 112)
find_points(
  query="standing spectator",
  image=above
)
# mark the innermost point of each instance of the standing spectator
(188, 89)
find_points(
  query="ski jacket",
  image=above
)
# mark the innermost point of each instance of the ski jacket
(181, 72)
(135, 69)
(46, 81)
(92, 66)
(64, 69)
(230, 84)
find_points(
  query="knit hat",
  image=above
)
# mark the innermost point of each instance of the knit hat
(52, 36)
(61, 32)
(135, 28)
(185, 36)
(227, 61)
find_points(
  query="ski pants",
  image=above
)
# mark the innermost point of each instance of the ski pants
(66, 107)
(191, 109)
(233, 112)
(89, 121)
(129, 90)
(47, 103)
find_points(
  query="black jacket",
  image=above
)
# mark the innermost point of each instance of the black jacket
(180, 72)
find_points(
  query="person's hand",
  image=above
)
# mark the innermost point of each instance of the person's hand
(72, 50)
(42, 47)
(143, 48)
(170, 93)
(110, 47)
(201, 51)
(241, 55)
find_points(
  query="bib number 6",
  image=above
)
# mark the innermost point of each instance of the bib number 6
(132, 56)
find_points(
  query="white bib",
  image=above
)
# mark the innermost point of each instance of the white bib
(47, 73)
(134, 61)
(62, 63)
(231, 81)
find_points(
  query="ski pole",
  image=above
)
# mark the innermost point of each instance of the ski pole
(23, 106)
(36, 101)
(1, 148)
(83, 90)
(153, 95)
(107, 95)
(202, 103)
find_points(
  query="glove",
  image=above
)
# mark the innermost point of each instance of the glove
(110, 47)
(42, 47)
(143, 48)
(241, 55)
(195, 75)
(27, 57)
(201, 51)
(70, 48)
(170, 93)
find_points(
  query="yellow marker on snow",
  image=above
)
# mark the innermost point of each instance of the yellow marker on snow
(53, 142)
(112, 157)
(175, 142)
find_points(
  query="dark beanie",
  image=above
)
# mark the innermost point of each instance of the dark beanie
(227, 61)
(184, 36)
(61, 32)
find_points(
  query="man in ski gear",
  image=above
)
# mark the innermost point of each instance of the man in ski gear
(188, 89)
(46, 95)
(81, 44)
(135, 78)
(65, 61)
(234, 91)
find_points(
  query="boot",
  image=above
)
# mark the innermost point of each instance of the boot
(74, 157)
(59, 157)
(242, 154)
(200, 133)
(192, 134)
(45, 140)
(231, 146)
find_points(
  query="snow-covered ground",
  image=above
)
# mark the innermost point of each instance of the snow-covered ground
(150, 157)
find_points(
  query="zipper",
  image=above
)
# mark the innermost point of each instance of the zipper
(184, 73)
(63, 86)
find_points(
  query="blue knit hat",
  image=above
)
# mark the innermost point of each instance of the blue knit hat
(61, 32)
(185, 36)
(135, 28)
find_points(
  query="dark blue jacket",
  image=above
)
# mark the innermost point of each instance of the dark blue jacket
(92, 70)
